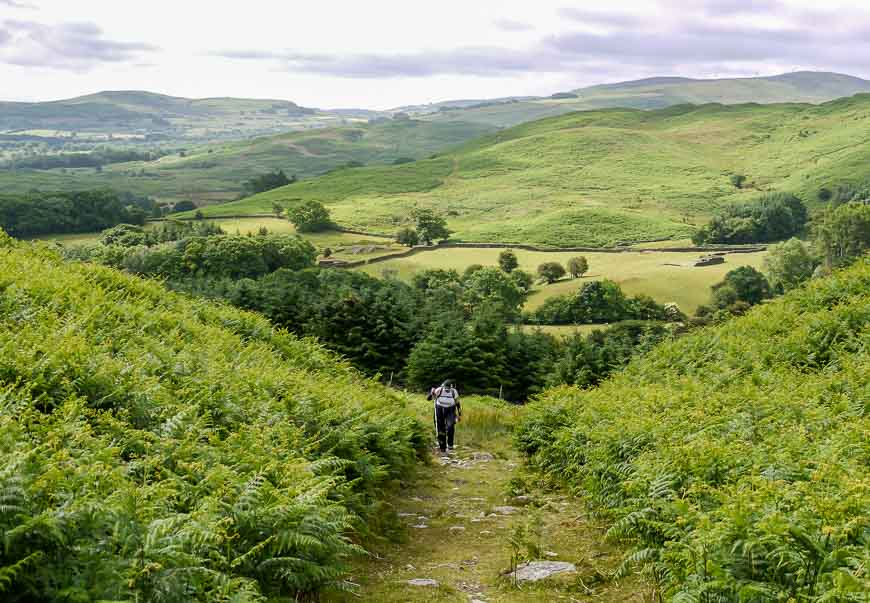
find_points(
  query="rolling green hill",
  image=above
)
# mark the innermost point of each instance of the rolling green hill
(140, 114)
(654, 93)
(657, 93)
(735, 458)
(603, 177)
(216, 172)
(157, 447)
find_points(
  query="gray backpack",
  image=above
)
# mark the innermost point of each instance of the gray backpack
(446, 398)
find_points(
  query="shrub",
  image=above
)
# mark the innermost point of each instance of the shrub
(788, 265)
(743, 284)
(550, 272)
(493, 288)
(183, 206)
(773, 217)
(309, 216)
(125, 235)
(267, 182)
(578, 266)
(732, 460)
(586, 360)
(155, 447)
(38, 213)
(215, 256)
(507, 261)
(430, 226)
(843, 233)
(597, 302)
(407, 237)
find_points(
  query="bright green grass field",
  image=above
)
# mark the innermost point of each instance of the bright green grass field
(601, 177)
(637, 272)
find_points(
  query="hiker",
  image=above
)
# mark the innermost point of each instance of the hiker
(448, 411)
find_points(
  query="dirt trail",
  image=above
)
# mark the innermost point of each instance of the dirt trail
(461, 516)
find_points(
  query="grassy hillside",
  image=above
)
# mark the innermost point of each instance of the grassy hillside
(216, 172)
(657, 93)
(735, 458)
(146, 114)
(602, 177)
(155, 447)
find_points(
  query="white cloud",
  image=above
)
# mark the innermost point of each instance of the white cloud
(381, 53)
(68, 46)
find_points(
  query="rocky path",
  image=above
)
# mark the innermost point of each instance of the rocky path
(475, 515)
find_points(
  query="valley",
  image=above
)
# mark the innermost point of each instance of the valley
(236, 334)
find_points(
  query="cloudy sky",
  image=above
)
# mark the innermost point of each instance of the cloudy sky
(381, 54)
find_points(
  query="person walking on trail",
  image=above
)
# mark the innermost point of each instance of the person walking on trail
(448, 411)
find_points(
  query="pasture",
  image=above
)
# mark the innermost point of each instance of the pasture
(637, 272)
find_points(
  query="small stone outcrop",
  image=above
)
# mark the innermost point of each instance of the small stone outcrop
(541, 570)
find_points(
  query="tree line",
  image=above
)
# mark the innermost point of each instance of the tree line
(38, 213)
(771, 217)
(838, 235)
(443, 323)
(90, 159)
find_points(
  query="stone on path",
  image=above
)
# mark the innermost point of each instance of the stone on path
(423, 582)
(506, 510)
(457, 529)
(420, 526)
(482, 456)
(540, 570)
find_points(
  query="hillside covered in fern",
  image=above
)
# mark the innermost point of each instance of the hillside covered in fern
(735, 460)
(155, 447)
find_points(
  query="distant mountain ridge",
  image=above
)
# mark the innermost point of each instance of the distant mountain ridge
(161, 116)
(140, 113)
(797, 86)
(656, 93)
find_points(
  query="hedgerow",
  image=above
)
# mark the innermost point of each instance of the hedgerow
(159, 448)
(735, 459)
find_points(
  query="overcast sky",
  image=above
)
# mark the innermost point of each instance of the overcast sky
(381, 54)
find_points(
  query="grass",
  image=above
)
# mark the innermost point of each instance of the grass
(564, 331)
(603, 177)
(636, 272)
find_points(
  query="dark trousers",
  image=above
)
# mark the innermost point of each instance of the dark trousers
(445, 422)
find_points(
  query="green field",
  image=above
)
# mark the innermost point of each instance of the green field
(563, 331)
(636, 272)
(216, 172)
(602, 177)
